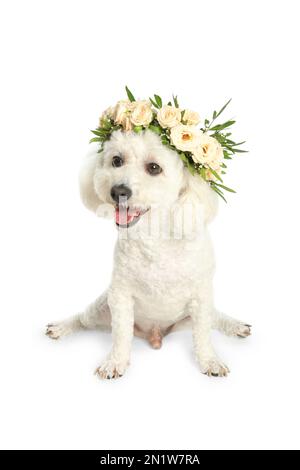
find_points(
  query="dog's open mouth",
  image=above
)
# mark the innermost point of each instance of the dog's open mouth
(126, 216)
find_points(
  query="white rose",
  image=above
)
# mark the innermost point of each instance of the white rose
(142, 113)
(191, 117)
(168, 116)
(185, 138)
(209, 152)
(122, 114)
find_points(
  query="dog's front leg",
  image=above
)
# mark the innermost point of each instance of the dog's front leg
(121, 304)
(200, 310)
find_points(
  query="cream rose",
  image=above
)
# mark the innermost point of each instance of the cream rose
(122, 113)
(107, 114)
(127, 124)
(168, 116)
(142, 113)
(197, 155)
(185, 138)
(191, 118)
(209, 152)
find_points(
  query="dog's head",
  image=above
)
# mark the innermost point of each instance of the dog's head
(135, 173)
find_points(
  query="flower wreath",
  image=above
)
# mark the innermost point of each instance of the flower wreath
(202, 151)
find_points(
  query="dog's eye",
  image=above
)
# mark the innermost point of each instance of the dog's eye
(153, 169)
(117, 161)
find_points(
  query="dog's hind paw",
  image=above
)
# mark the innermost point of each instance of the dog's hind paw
(57, 330)
(214, 368)
(111, 369)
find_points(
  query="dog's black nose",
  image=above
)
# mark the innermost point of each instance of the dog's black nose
(120, 191)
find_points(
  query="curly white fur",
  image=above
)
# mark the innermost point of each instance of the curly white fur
(164, 264)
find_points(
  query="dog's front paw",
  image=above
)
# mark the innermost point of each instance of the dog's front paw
(111, 369)
(214, 368)
(242, 330)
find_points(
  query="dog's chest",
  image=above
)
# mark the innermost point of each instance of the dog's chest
(162, 277)
(162, 269)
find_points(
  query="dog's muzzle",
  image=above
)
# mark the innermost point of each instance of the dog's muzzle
(125, 216)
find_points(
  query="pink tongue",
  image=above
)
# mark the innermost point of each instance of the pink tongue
(123, 217)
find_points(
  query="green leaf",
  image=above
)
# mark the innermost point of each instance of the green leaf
(187, 163)
(129, 94)
(169, 103)
(138, 129)
(99, 132)
(222, 109)
(216, 174)
(219, 138)
(220, 127)
(106, 124)
(153, 103)
(183, 157)
(214, 114)
(155, 129)
(202, 172)
(228, 141)
(95, 139)
(191, 168)
(170, 146)
(239, 143)
(158, 101)
(175, 100)
(238, 150)
(226, 188)
(218, 191)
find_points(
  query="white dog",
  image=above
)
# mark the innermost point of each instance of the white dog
(164, 263)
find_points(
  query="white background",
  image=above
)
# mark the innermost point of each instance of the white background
(62, 63)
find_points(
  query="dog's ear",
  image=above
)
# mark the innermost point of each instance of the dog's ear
(86, 182)
(197, 192)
